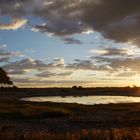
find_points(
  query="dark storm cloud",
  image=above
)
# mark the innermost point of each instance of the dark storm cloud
(60, 27)
(14, 8)
(118, 20)
(115, 19)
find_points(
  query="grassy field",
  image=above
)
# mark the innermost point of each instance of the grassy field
(33, 121)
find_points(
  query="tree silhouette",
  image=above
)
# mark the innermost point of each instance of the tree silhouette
(4, 79)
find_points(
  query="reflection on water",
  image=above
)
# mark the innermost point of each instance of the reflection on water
(86, 100)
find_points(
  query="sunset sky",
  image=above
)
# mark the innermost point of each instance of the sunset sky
(70, 42)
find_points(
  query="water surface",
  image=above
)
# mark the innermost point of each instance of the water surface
(85, 100)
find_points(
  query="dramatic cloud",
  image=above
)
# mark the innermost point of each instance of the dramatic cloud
(38, 71)
(59, 68)
(60, 29)
(25, 65)
(116, 20)
(117, 64)
(130, 63)
(16, 23)
(15, 8)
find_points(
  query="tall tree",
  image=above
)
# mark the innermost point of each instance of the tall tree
(4, 79)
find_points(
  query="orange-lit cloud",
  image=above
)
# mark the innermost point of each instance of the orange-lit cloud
(14, 25)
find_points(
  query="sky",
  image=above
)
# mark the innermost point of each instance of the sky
(61, 43)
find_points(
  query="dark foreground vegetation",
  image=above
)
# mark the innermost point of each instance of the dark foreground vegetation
(94, 134)
(20, 120)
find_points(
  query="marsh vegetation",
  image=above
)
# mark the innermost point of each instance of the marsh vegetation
(30, 120)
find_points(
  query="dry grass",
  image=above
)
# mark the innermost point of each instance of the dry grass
(94, 134)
